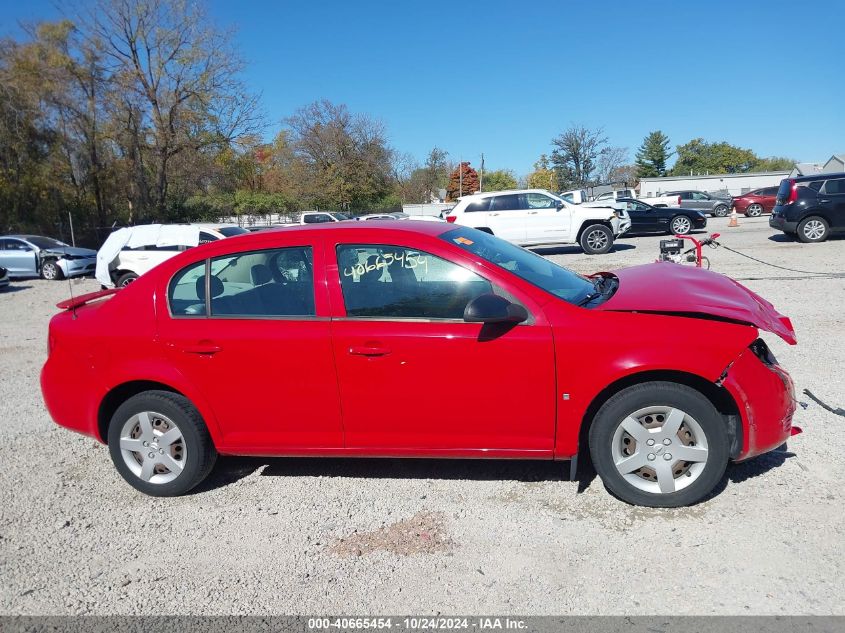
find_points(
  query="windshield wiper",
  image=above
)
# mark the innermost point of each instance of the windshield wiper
(602, 286)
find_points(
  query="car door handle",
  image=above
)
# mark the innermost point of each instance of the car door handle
(493, 214)
(203, 347)
(532, 213)
(369, 350)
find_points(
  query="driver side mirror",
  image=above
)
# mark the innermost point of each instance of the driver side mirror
(559, 205)
(490, 308)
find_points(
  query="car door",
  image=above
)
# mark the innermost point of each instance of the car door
(415, 378)
(248, 331)
(18, 257)
(643, 217)
(508, 217)
(546, 223)
(832, 202)
(700, 201)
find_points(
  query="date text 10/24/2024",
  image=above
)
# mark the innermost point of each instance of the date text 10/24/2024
(420, 623)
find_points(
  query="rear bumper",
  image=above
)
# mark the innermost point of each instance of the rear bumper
(765, 395)
(780, 223)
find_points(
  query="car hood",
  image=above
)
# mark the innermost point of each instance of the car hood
(668, 288)
(71, 250)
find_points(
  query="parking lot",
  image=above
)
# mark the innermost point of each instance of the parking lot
(421, 536)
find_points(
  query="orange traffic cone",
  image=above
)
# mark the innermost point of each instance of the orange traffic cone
(734, 221)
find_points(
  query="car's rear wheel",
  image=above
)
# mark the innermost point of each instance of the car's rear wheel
(125, 279)
(813, 229)
(659, 444)
(50, 270)
(720, 211)
(680, 225)
(754, 210)
(160, 444)
(596, 239)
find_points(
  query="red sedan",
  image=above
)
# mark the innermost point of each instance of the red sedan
(419, 339)
(756, 202)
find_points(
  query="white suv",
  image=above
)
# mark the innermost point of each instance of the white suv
(131, 263)
(534, 217)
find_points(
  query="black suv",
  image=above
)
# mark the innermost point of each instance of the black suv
(811, 207)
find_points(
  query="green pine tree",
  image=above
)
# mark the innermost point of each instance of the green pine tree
(652, 155)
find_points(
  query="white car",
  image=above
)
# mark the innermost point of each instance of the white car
(535, 217)
(319, 217)
(132, 262)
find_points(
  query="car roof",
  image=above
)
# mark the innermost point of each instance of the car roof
(814, 177)
(487, 194)
(410, 226)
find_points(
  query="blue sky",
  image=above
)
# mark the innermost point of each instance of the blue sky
(504, 78)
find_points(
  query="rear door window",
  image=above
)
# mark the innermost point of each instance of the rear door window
(510, 202)
(835, 186)
(267, 283)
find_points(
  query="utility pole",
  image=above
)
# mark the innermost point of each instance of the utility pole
(72, 238)
(481, 175)
(461, 176)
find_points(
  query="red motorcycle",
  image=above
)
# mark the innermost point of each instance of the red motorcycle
(672, 250)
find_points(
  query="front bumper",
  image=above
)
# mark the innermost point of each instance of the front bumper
(765, 395)
(75, 267)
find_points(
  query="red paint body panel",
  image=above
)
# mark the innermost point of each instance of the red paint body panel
(443, 388)
(669, 288)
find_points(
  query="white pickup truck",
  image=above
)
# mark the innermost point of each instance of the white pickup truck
(535, 217)
(655, 201)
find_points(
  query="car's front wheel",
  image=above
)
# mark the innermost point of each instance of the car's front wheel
(159, 444)
(754, 210)
(659, 444)
(720, 211)
(680, 225)
(50, 270)
(813, 229)
(596, 239)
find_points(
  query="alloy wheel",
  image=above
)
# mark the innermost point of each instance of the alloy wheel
(681, 225)
(153, 447)
(597, 240)
(814, 229)
(720, 211)
(754, 210)
(659, 449)
(50, 271)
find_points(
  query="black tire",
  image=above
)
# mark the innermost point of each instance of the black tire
(813, 229)
(199, 450)
(720, 211)
(754, 210)
(596, 239)
(50, 270)
(125, 279)
(673, 231)
(659, 394)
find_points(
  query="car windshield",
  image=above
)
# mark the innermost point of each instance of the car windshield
(339, 216)
(45, 242)
(539, 271)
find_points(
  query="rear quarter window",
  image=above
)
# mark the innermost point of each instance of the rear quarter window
(835, 186)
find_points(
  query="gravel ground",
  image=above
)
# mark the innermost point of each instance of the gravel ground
(282, 536)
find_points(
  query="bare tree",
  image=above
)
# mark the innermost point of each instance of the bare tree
(575, 154)
(177, 84)
(609, 160)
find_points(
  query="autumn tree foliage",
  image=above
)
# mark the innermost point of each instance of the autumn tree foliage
(462, 182)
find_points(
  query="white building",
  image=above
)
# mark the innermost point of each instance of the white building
(734, 184)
